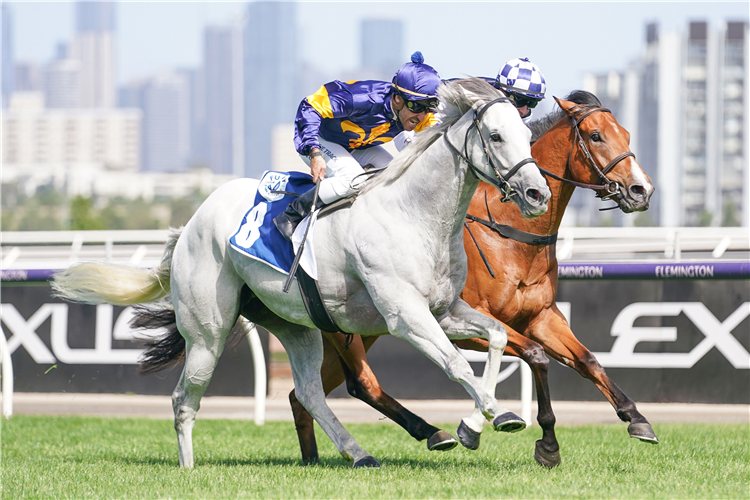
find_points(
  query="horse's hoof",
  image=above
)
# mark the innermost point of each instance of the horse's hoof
(644, 432)
(549, 459)
(367, 462)
(467, 437)
(441, 441)
(509, 422)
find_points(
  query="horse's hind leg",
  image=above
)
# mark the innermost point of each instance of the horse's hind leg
(206, 308)
(362, 384)
(551, 330)
(332, 377)
(305, 349)
(350, 364)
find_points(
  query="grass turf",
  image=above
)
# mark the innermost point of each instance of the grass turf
(86, 457)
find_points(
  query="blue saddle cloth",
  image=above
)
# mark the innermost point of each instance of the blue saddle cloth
(257, 236)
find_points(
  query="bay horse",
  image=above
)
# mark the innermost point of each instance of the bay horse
(571, 144)
(393, 263)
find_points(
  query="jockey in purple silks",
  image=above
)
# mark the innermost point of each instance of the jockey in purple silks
(342, 127)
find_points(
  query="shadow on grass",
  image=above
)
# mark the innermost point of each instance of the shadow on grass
(231, 462)
(477, 464)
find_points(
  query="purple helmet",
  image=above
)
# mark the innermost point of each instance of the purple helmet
(416, 81)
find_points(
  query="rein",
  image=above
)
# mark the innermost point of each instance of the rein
(612, 187)
(501, 183)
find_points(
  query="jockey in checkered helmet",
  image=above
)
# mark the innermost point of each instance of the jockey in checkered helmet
(523, 82)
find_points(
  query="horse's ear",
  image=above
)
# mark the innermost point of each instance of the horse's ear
(469, 95)
(566, 106)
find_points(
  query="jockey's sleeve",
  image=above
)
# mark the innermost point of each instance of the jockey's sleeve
(332, 100)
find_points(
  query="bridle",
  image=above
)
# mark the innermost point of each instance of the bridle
(501, 183)
(612, 187)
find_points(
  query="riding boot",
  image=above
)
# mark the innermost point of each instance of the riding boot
(297, 210)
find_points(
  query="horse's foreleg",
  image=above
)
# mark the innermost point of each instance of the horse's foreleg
(547, 450)
(552, 331)
(465, 322)
(362, 384)
(408, 317)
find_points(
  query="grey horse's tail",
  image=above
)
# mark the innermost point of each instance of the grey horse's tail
(167, 350)
(104, 283)
(162, 352)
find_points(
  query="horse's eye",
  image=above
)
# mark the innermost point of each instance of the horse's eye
(496, 137)
(596, 137)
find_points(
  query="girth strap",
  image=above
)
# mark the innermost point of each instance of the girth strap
(516, 234)
(317, 311)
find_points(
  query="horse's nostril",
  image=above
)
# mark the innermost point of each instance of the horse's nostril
(534, 194)
(638, 191)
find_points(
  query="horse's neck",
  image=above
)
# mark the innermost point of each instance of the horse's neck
(551, 153)
(436, 190)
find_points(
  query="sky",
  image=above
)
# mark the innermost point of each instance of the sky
(565, 39)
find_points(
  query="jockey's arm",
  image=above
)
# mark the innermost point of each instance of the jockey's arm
(330, 101)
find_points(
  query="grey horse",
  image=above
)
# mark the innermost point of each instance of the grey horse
(393, 262)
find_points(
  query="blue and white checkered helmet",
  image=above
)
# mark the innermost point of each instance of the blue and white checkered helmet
(521, 76)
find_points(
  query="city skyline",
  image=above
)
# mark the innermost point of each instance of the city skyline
(227, 110)
(155, 36)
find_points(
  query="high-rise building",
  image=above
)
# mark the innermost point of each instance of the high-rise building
(685, 103)
(94, 45)
(95, 16)
(166, 123)
(734, 127)
(223, 83)
(28, 77)
(198, 130)
(62, 84)
(34, 136)
(270, 76)
(694, 96)
(8, 63)
(382, 47)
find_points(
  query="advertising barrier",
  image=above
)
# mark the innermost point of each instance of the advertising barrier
(665, 332)
(62, 347)
(674, 332)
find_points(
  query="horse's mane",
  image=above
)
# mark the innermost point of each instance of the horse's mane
(455, 103)
(581, 97)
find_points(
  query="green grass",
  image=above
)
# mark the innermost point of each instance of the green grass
(83, 457)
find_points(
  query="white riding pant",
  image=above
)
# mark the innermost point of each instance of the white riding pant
(343, 166)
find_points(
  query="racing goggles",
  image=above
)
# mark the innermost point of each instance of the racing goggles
(522, 100)
(425, 105)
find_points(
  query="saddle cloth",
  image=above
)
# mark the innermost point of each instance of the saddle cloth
(257, 236)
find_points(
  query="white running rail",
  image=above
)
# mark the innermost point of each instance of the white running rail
(7, 375)
(259, 365)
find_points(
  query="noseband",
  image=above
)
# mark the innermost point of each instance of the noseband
(612, 187)
(501, 183)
